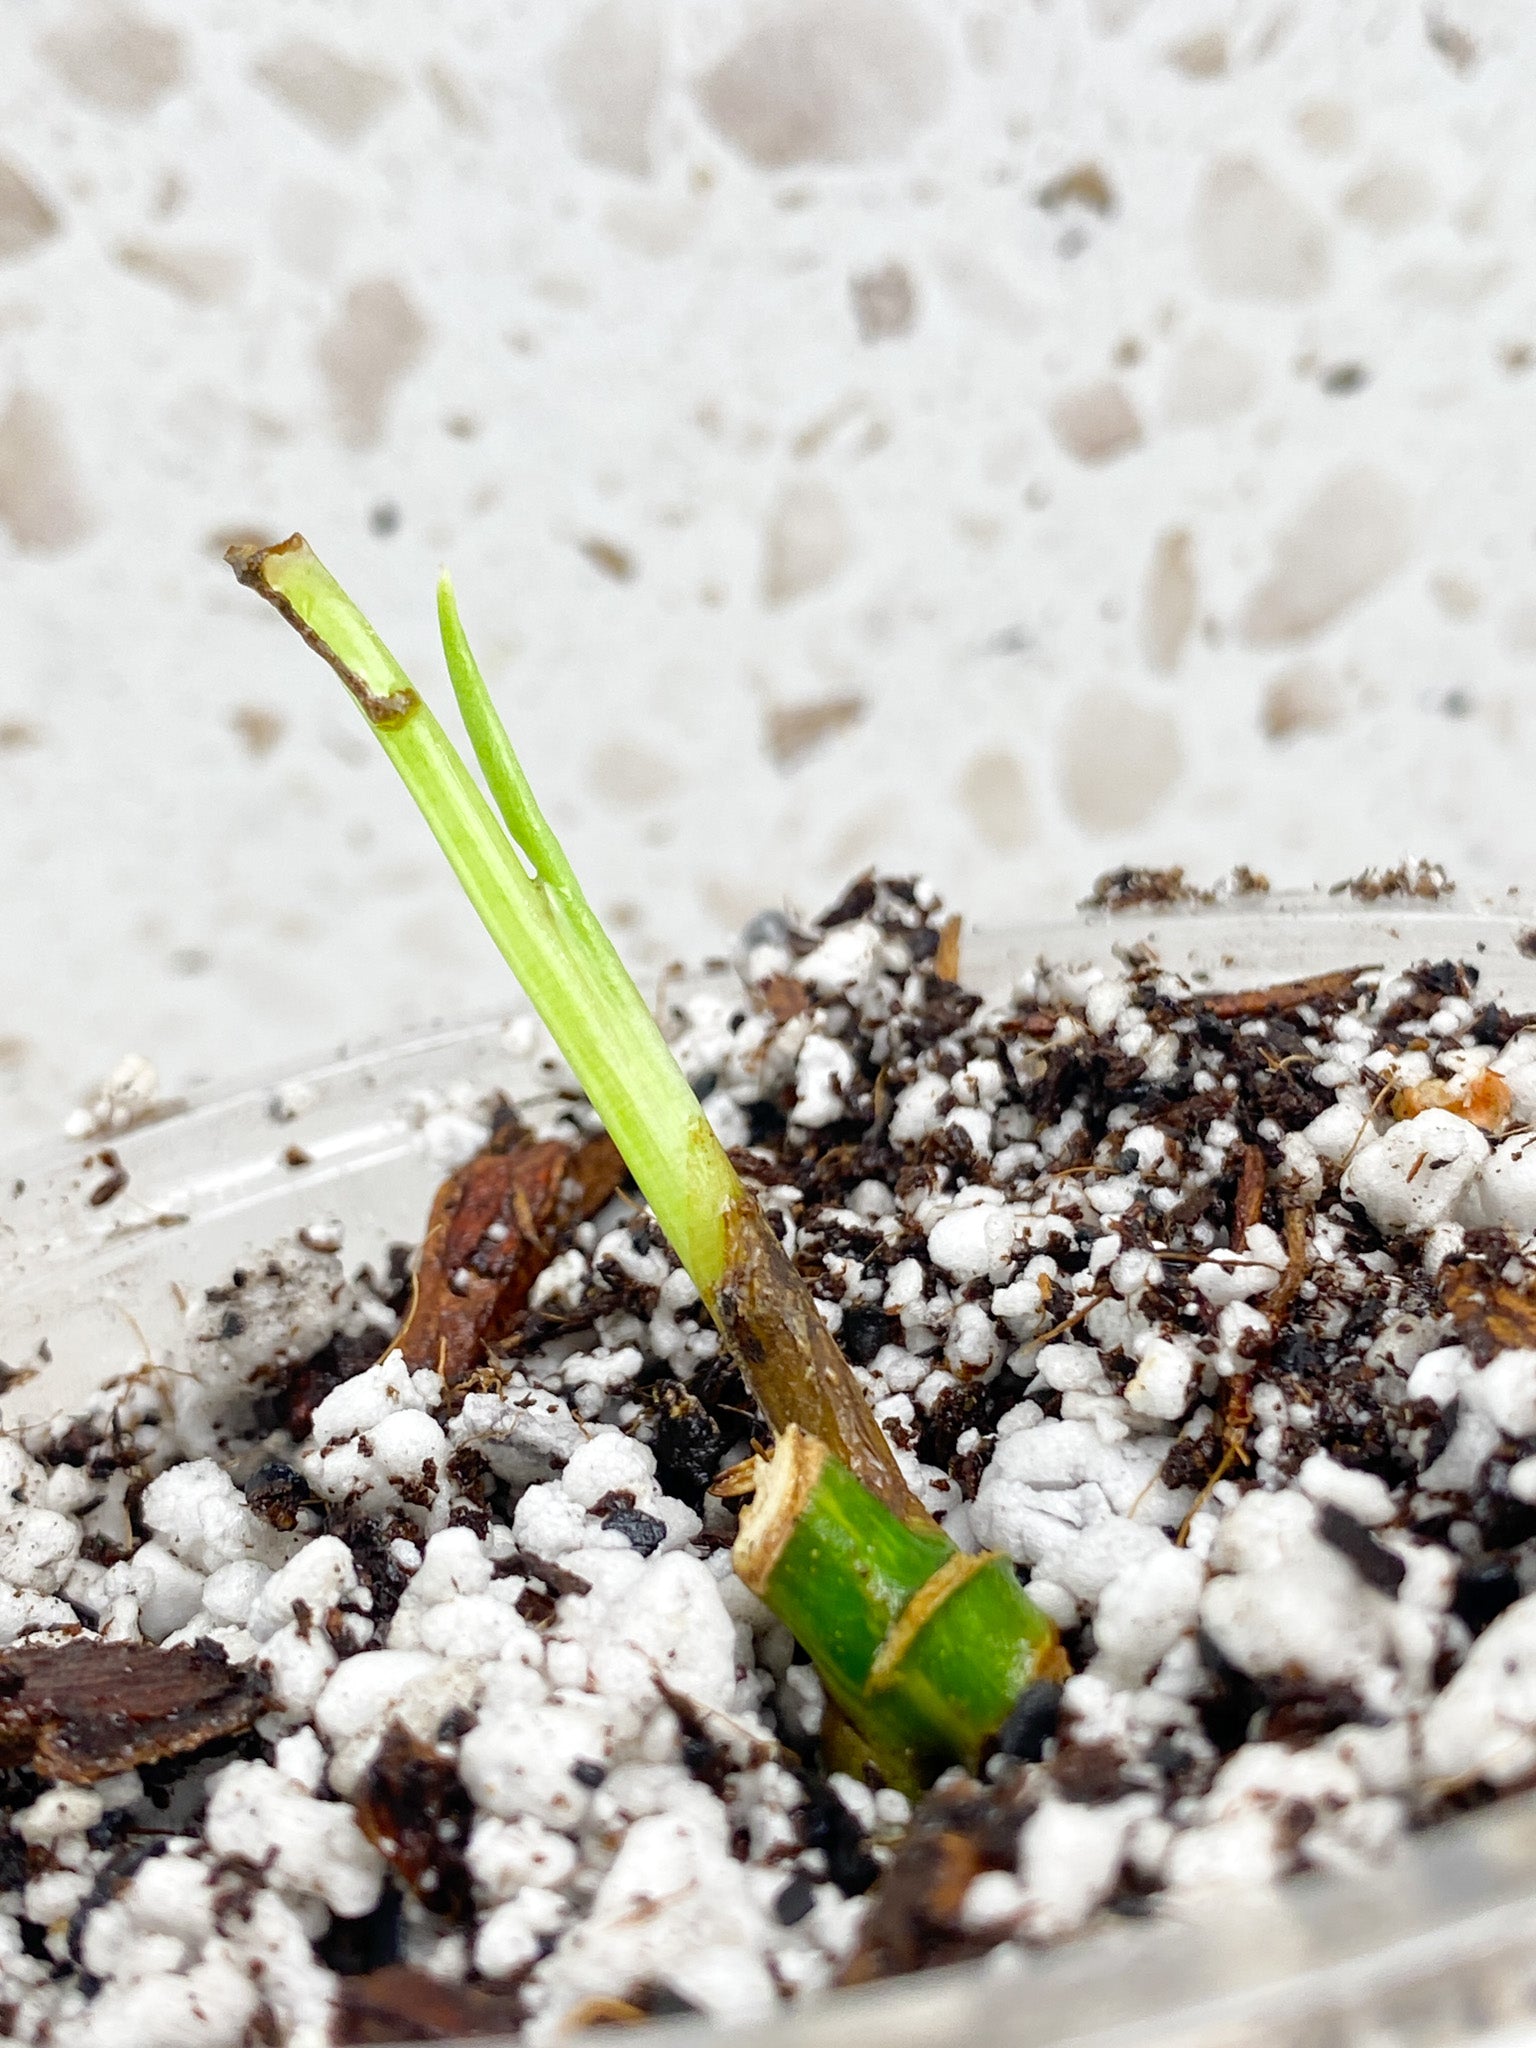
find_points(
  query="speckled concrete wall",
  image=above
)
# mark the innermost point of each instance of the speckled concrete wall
(1002, 439)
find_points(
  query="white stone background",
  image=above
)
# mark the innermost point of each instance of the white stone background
(998, 439)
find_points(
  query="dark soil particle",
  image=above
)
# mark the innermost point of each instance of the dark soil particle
(863, 1331)
(1483, 1592)
(1032, 1723)
(278, 1494)
(1432, 983)
(1089, 1773)
(704, 1756)
(686, 1440)
(827, 1824)
(1299, 1713)
(1231, 1701)
(1378, 1566)
(958, 1409)
(353, 1948)
(113, 1182)
(296, 1393)
(34, 1943)
(856, 901)
(378, 1569)
(1141, 888)
(417, 1814)
(1407, 879)
(537, 1608)
(795, 1901)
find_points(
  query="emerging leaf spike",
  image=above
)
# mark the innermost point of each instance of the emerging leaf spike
(504, 777)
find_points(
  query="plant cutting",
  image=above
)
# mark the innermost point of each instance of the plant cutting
(923, 1648)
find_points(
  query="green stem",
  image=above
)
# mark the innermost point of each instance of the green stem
(541, 921)
(923, 1647)
(554, 944)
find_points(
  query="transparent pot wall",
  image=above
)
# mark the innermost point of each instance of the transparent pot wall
(1438, 1948)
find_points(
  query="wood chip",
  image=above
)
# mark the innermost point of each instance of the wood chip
(1277, 1307)
(402, 2003)
(1249, 1204)
(915, 1916)
(414, 1809)
(1282, 995)
(1030, 1024)
(782, 997)
(946, 959)
(495, 1225)
(85, 1709)
(602, 2009)
(556, 1577)
(1484, 1099)
(1490, 1315)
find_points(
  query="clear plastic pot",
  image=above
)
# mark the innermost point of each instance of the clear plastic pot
(1437, 1948)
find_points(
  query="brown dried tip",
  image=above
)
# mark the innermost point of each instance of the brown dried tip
(246, 557)
(86, 1709)
(249, 561)
(495, 1225)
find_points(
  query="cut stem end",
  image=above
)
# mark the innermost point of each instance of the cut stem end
(923, 1647)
